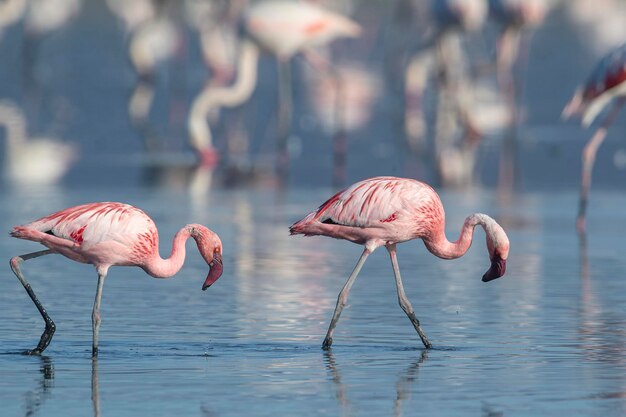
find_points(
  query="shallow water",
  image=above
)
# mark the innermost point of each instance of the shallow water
(547, 339)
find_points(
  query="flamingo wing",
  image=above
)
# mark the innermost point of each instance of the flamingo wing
(373, 201)
(608, 73)
(90, 224)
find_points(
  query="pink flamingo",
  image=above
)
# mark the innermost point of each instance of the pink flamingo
(107, 234)
(283, 28)
(385, 211)
(607, 81)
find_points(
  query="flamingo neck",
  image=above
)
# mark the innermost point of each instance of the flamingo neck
(441, 247)
(165, 268)
(215, 97)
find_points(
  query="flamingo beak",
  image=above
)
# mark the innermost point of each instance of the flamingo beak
(215, 271)
(497, 269)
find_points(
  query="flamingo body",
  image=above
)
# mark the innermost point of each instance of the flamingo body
(607, 81)
(286, 27)
(384, 211)
(107, 234)
(377, 211)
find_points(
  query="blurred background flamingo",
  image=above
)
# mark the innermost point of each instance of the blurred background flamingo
(31, 160)
(606, 83)
(282, 28)
(453, 133)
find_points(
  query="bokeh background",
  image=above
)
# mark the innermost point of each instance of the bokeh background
(73, 81)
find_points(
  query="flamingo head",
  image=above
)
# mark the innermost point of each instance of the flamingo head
(210, 247)
(498, 246)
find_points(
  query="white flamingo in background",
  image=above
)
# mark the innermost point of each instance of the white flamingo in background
(31, 161)
(153, 42)
(216, 24)
(41, 18)
(280, 27)
(514, 18)
(606, 83)
(443, 56)
(11, 11)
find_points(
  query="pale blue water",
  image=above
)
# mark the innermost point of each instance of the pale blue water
(547, 339)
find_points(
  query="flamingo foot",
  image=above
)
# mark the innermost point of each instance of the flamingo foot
(328, 341)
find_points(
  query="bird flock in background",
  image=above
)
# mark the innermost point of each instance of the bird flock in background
(442, 119)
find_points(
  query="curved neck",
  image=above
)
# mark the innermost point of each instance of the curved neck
(440, 246)
(212, 97)
(165, 268)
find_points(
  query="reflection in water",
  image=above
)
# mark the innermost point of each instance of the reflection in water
(488, 411)
(405, 380)
(36, 397)
(403, 384)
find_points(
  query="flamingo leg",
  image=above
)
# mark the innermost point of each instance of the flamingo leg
(95, 396)
(46, 336)
(402, 298)
(95, 315)
(589, 157)
(284, 116)
(342, 299)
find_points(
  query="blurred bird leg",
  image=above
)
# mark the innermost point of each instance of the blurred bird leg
(588, 160)
(416, 78)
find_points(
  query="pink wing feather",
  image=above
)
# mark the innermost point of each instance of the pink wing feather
(90, 224)
(373, 201)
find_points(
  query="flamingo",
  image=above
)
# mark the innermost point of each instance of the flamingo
(107, 234)
(385, 211)
(32, 161)
(280, 27)
(514, 17)
(606, 82)
(443, 55)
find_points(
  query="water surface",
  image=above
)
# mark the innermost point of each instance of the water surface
(547, 339)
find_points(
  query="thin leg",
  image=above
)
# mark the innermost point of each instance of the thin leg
(404, 301)
(95, 396)
(343, 298)
(589, 157)
(284, 117)
(95, 315)
(46, 337)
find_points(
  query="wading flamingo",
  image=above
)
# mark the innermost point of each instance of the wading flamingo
(607, 81)
(385, 211)
(280, 27)
(107, 234)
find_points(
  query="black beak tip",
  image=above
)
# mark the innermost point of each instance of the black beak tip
(498, 268)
